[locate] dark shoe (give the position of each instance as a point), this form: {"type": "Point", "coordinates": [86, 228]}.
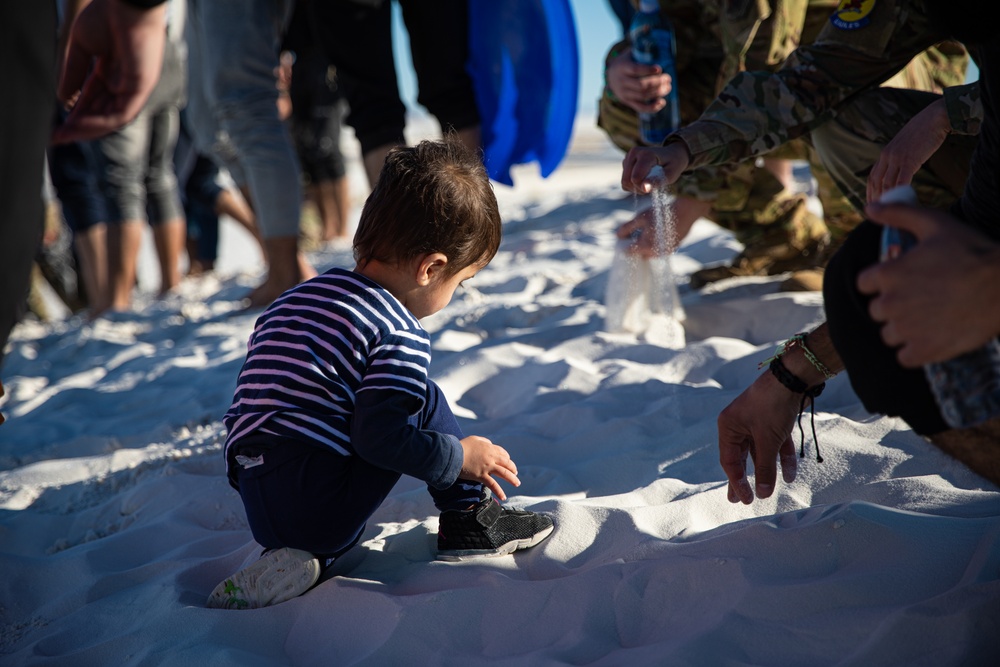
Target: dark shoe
{"type": "Point", "coordinates": [488, 529]}
{"type": "Point", "coordinates": [766, 262]}
{"type": "Point", "coordinates": [279, 575]}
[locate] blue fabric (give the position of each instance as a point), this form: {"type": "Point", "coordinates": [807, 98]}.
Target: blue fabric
{"type": "Point", "coordinates": [524, 62]}
{"type": "Point", "coordinates": [75, 170]}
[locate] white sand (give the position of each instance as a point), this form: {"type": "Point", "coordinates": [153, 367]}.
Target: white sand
{"type": "Point", "coordinates": [116, 520]}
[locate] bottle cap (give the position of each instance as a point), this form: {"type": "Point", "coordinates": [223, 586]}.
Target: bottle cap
{"type": "Point", "coordinates": [901, 194]}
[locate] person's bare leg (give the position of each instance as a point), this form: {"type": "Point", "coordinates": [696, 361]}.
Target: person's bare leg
{"type": "Point", "coordinates": [331, 199]}
{"type": "Point", "coordinates": [287, 267]}
{"type": "Point", "coordinates": [196, 266]}
{"type": "Point", "coordinates": [168, 238]}
{"type": "Point", "coordinates": [342, 203]}
{"type": "Point", "coordinates": [123, 255]}
{"type": "Point", "coordinates": [472, 137]}
{"type": "Point", "coordinates": [92, 253]}
{"type": "Point", "coordinates": [232, 203]}
{"type": "Point", "coordinates": [374, 159]}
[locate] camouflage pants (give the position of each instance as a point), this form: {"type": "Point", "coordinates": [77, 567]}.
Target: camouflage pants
{"type": "Point", "coordinates": [850, 144]}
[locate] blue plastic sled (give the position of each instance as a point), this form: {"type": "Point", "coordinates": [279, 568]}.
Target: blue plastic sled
{"type": "Point", "coordinates": [524, 63]}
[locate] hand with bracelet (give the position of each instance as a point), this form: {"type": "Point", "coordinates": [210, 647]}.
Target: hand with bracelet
{"type": "Point", "coordinates": [758, 424]}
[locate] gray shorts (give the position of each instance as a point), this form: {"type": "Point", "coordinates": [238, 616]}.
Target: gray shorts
{"type": "Point", "coordinates": [140, 180]}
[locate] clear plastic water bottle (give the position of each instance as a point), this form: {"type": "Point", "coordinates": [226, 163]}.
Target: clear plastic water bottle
{"type": "Point", "coordinates": [642, 295]}
{"type": "Point", "coordinates": [966, 388]}
{"type": "Point", "coordinates": [652, 39]}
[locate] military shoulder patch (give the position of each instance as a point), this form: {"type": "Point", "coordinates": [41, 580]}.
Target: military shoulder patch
{"type": "Point", "coordinates": [852, 14]}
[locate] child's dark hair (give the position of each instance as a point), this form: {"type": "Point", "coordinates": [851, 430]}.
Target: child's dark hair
{"type": "Point", "coordinates": [432, 197]}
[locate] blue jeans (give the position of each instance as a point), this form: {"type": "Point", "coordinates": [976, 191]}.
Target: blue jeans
{"type": "Point", "coordinates": [200, 189]}
{"type": "Point", "coordinates": [232, 55]}
{"type": "Point", "coordinates": [308, 498]}
{"type": "Point", "coordinates": [76, 170]}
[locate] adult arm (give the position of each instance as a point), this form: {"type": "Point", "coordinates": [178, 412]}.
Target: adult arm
{"type": "Point", "coordinates": [758, 424]}
{"type": "Point", "coordinates": [902, 157]}
{"type": "Point", "coordinates": [758, 111]}
{"type": "Point", "coordinates": [71, 9]}
{"type": "Point", "coordinates": [113, 61]}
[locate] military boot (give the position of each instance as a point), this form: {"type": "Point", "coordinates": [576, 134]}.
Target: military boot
{"type": "Point", "coordinates": [786, 236]}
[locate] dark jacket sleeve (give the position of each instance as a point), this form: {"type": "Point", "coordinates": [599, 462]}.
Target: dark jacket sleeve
{"type": "Point", "coordinates": [382, 435]}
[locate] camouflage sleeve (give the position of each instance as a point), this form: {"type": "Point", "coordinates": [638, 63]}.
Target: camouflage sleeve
{"type": "Point", "coordinates": [965, 108]}
{"type": "Point", "coordinates": [864, 43]}
{"type": "Point", "coordinates": [760, 34]}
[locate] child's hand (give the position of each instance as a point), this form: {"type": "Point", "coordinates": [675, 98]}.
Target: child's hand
{"type": "Point", "coordinates": [483, 459]}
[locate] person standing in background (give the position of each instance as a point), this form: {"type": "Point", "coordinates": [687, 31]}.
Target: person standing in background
{"type": "Point", "coordinates": [233, 50]}
{"type": "Point", "coordinates": [141, 184]}
{"type": "Point", "coordinates": [316, 117]}
{"type": "Point", "coordinates": [127, 44]}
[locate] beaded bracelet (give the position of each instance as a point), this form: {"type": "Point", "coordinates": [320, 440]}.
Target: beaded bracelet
{"type": "Point", "coordinates": [799, 340]}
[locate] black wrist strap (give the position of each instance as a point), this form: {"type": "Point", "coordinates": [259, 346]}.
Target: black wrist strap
{"type": "Point", "coordinates": [144, 4]}
{"type": "Point", "coordinates": [795, 384]}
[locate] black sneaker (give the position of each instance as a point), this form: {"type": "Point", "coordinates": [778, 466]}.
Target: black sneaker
{"type": "Point", "coordinates": [488, 529]}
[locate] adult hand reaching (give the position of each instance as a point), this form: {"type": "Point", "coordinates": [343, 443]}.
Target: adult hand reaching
{"type": "Point", "coordinates": [113, 61]}
{"type": "Point", "coordinates": [909, 149]}
{"type": "Point", "coordinates": [939, 299]}
{"type": "Point", "coordinates": [758, 424]}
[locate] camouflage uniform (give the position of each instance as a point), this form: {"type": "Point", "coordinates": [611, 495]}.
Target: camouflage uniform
{"type": "Point", "coordinates": [757, 111]}
{"type": "Point", "coordinates": [776, 227]}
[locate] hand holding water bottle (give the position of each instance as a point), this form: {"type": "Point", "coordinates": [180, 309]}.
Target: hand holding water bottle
{"type": "Point", "coordinates": [640, 87]}
{"type": "Point", "coordinates": [940, 299]}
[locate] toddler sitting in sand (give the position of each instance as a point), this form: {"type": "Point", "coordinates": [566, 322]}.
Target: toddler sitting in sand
{"type": "Point", "coordinates": [333, 403]}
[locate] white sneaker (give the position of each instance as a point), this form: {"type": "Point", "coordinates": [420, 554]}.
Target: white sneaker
{"type": "Point", "coordinates": [278, 575]}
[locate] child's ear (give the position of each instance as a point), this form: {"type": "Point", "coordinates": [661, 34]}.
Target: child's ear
{"type": "Point", "coordinates": [430, 267]}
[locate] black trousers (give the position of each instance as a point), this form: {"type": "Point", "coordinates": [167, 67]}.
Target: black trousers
{"type": "Point", "coordinates": [27, 50]}
{"type": "Point", "coordinates": [357, 37]}
{"type": "Point", "coordinates": [883, 386]}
